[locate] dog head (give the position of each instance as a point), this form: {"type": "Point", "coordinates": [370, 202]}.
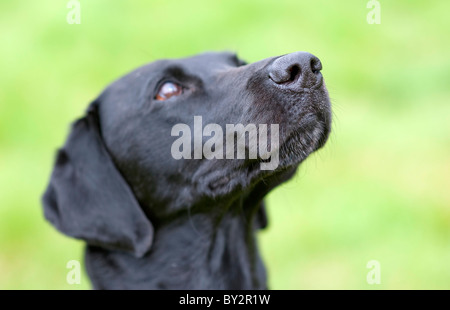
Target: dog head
{"type": "Point", "coordinates": [156, 142]}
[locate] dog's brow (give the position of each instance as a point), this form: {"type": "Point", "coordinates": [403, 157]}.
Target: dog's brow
{"type": "Point", "coordinates": [175, 71]}
{"type": "Point", "coordinates": [179, 73]}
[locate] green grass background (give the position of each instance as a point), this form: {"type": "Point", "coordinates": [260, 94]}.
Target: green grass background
{"type": "Point", "coordinates": [379, 190]}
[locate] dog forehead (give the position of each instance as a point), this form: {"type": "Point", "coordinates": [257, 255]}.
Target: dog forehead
{"type": "Point", "coordinates": [131, 86]}
{"type": "Point", "coordinates": [205, 62]}
{"type": "Point", "coordinates": [198, 65]}
{"type": "Point", "coordinates": [212, 59]}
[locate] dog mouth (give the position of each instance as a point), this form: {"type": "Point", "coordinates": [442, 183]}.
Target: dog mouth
{"type": "Point", "coordinates": [304, 140]}
{"type": "Point", "coordinates": [309, 136]}
{"type": "Point", "coordinates": [304, 124]}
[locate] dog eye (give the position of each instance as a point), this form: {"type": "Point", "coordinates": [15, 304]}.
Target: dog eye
{"type": "Point", "coordinates": [168, 90]}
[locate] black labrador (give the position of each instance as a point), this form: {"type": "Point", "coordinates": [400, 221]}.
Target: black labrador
{"type": "Point", "coordinates": [154, 220]}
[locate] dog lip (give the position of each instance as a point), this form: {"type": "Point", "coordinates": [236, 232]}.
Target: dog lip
{"type": "Point", "coordinates": [251, 167]}
{"type": "Point", "coordinates": [222, 181]}
{"type": "Point", "coordinates": [306, 138]}
{"type": "Point", "coordinates": [219, 182]}
{"type": "Point", "coordinates": [309, 135]}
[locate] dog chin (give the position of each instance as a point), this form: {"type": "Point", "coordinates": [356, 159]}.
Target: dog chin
{"type": "Point", "coordinates": [309, 135]}
{"type": "Point", "coordinates": [301, 143]}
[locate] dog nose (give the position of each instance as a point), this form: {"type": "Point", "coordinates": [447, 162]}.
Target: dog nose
{"type": "Point", "coordinates": [296, 71]}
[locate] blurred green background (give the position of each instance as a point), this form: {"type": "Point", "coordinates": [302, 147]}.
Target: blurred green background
{"type": "Point", "coordinates": [379, 190]}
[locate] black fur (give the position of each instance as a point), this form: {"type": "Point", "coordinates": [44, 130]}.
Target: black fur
{"type": "Point", "coordinates": [153, 222]}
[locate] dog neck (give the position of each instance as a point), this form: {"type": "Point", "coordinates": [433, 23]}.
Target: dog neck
{"type": "Point", "coordinates": [200, 250]}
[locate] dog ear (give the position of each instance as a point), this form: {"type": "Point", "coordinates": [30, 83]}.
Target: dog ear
{"type": "Point", "coordinates": [87, 198]}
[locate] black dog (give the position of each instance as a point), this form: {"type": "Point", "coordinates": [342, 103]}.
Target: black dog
{"type": "Point", "coordinates": [153, 221]}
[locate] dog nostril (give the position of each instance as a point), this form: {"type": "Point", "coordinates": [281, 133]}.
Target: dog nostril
{"type": "Point", "coordinates": [294, 72]}
{"type": "Point", "coordinates": [316, 65]}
